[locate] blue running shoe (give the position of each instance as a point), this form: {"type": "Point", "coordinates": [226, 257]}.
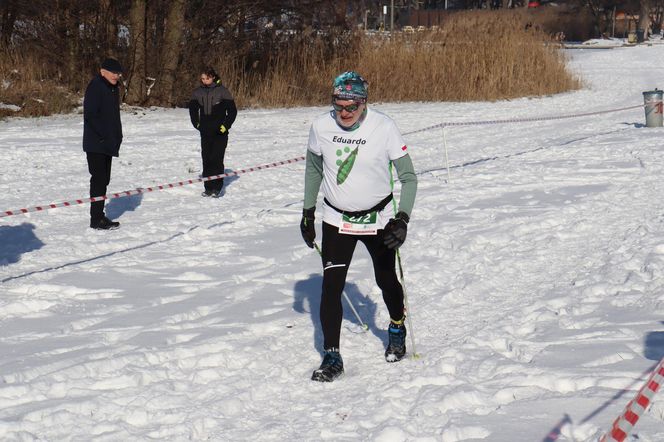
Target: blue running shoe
{"type": "Point", "coordinates": [396, 347]}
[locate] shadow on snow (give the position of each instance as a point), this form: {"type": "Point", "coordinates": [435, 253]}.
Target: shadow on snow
{"type": "Point", "coordinates": [106, 255]}
{"type": "Point", "coordinates": [307, 300]}
{"type": "Point", "coordinates": [653, 350]}
{"type": "Point", "coordinates": [118, 206]}
{"type": "Point", "coordinates": [17, 240]}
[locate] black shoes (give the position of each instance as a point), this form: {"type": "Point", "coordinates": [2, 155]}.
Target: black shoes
{"type": "Point", "coordinates": [213, 193]}
{"type": "Point", "coordinates": [331, 368]}
{"type": "Point", "coordinates": [104, 224]}
{"type": "Point", "coordinates": [396, 347]}
{"type": "Point", "coordinates": [333, 365]}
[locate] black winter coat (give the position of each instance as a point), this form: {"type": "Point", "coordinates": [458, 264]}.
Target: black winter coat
{"type": "Point", "coordinates": [210, 107]}
{"type": "Point", "coordinates": [102, 128]}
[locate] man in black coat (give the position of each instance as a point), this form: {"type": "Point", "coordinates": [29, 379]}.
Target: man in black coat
{"type": "Point", "coordinates": [102, 136]}
{"type": "Point", "coordinates": [212, 111]}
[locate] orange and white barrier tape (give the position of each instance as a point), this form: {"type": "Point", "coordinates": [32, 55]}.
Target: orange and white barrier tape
{"type": "Point", "coordinates": [280, 163]}
{"type": "Point", "coordinates": [147, 189]}
{"type": "Point", "coordinates": [636, 407]}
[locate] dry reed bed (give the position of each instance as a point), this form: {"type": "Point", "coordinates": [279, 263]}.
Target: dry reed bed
{"type": "Point", "coordinates": [475, 57]}
{"type": "Point", "coordinates": [26, 82]}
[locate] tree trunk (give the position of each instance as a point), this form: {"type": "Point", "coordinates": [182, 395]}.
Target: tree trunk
{"type": "Point", "coordinates": [644, 17]}
{"type": "Point", "coordinates": [136, 81]}
{"type": "Point", "coordinates": [170, 54]}
{"type": "Point", "coordinates": [340, 8]}
{"type": "Point", "coordinates": [72, 41]}
{"type": "Point", "coordinates": [106, 28]}
{"type": "Point", "coordinates": [7, 23]}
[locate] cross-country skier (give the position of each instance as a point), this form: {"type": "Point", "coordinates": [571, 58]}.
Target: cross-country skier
{"type": "Point", "coordinates": [351, 150]}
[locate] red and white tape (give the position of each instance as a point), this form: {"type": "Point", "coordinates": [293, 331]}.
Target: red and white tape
{"type": "Point", "coordinates": [280, 163]}
{"type": "Point", "coordinates": [521, 120]}
{"type": "Point", "coordinates": [636, 407]}
{"type": "Point", "coordinates": [147, 189]}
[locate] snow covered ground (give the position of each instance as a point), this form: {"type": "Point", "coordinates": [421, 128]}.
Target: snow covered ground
{"type": "Point", "coordinates": [535, 278]}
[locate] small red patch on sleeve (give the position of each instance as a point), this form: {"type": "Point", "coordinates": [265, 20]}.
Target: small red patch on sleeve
{"type": "Point", "coordinates": [404, 147]}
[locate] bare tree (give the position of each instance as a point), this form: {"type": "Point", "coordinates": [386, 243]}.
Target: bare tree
{"type": "Point", "coordinates": [644, 17]}
{"type": "Point", "coordinates": [170, 52]}
{"type": "Point", "coordinates": [9, 13]}
{"type": "Point", "coordinates": [106, 33]}
{"type": "Point", "coordinates": [657, 15]}
{"type": "Point", "coordinates": [136, 86]}
{"type": "Point", "coordinates": [69, 20]}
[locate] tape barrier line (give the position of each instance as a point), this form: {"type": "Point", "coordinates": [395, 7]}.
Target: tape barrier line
{"type": "Point", "coordinates": [636, 407]}
{"type": "Point", "coordinates": [280, 163]}
{"type": "Point", "coordinates": [521, 120]}
{"type": "Point", "coordinates": [147, 189]}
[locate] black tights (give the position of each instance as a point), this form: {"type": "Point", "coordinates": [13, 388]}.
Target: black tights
{"type": "Point", "coordinates": [338, 251]}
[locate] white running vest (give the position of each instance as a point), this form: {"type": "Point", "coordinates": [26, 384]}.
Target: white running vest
{"type": "Point", "coordinates": [356, 172]}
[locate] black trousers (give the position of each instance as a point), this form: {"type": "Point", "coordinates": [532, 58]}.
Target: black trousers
{"type": "Point", "coordinates": [99, 166]}
{"type": "Point", "coordinates": [213, 149]}
{"type": "Point", "coordinates": [337, 254]}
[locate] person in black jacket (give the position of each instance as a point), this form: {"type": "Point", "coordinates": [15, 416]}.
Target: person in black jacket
{"type": "Point", "coordinates": [102, 136]}
{"type": "Point", "coordinates": [212, 111]}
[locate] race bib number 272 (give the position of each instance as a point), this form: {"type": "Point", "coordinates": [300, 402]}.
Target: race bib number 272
{"type": "Point", "coordinates": [359, 225]}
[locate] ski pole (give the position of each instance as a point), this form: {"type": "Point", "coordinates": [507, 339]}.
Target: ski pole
{"type": "Point", "coordinates": [362, 324]}
{"type": "Point", "coordinates": [405, 300]}
{"type": "Point", "coordinates": [403, 283]}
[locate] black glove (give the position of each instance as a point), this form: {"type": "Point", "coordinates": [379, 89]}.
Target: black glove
{"type": "Point", "coordinates": [395, 231]}
{"type": "Point", "coordinates": [307, 227]}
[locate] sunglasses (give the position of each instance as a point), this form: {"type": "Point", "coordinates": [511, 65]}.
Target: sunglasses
{"type": "Point", "coordinates": [348, 108]}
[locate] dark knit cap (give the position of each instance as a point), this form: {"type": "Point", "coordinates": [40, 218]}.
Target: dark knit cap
{"type": "Point", "coordinates": [112, 65]}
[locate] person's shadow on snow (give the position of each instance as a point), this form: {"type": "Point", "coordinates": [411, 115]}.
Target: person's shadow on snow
{"type": "Point", "coordinates": [654, 345]}
{"type": "Point", "coordinates": [227, 180]}
{"type": "Point", "coordinates": [307, 300]}
{"type": "Point", "coordinates": [17, 240]}
{"type": "Point", "coordinates": [118, 206]}
{"type": "Point", "coordinates": [230, 179]}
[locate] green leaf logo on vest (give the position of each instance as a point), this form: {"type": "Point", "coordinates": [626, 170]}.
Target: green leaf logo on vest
{"type": "Point", "coordinates": [346, 165]}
